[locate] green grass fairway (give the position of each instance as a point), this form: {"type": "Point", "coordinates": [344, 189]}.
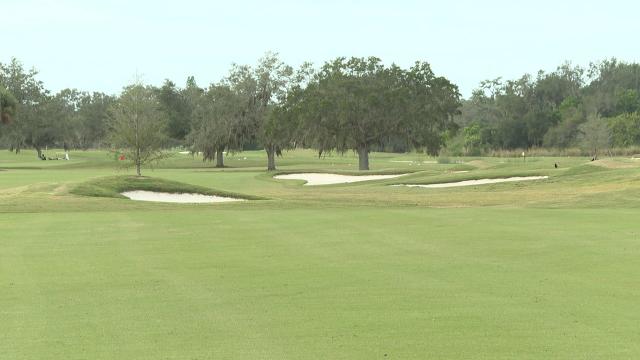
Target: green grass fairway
{"type": "Point", "coordinates": [544, 269]}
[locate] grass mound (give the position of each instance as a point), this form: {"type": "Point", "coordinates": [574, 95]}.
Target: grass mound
{"type": "Point", "coordinates": [113, 186]}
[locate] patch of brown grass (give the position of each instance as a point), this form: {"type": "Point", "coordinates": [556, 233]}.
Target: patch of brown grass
{"type": "Point", "coordinates": [613, 164]}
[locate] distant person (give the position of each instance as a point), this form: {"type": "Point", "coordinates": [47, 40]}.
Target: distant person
{"type": "Point", "coordinates": [556, 165]}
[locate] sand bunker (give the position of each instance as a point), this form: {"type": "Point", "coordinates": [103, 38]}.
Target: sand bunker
{"type": "Point", "coordinates": [476, 182]}
{"type": "Point", "coordinates": [414, 162]}
{"type": "Point", "coordinates": [328, 179]}
{"type": "Point", "coordinates": [141, 195]}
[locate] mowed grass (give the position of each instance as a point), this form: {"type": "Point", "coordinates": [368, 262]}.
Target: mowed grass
{"type": "Point", "coordinates": [537, 270]}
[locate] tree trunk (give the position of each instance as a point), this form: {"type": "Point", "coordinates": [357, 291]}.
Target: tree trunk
{"type": "Point", "coordinates": [137, 133]}
{"type": "Point", "coordinates": [363, 158]}
{"type": "Point", "coordinates": [39, 153]}
{"type": "Point", "coordinates": [220, 158]}
{"type": "Point", "coordinates": [271, 158]}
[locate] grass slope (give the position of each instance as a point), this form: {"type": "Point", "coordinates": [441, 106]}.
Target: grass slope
{"type": "Point", "coordinates": [115, 185]}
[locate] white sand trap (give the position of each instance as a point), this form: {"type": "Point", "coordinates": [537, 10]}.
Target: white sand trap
{"type": "Point", "coordinates": [186, 198]}
{"type": "Point", "coordinates": [414, 162]}
{"type": "Point", "coordinates": [477, 182]}
{"type": "Point", "coordinates": [328, 179]}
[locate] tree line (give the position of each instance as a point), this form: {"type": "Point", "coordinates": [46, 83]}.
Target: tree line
{"type": "Point", "coordinates": [593, 108]}
{"type": "Point", "coordinates": [34, 117]}
{"type": "Point", "coordinates": [347, 104]}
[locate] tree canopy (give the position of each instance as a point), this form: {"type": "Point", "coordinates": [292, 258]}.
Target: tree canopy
{"type": "Point", "coordinates": [8, 104]}
{"type": "Point", "coordinates": [359, 104]}
{"type": "Point", "coordinates": [220, 122]}
{"type": "Point", "coordinates": [549, 110]}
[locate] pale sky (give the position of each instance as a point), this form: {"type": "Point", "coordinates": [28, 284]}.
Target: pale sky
{"type": "Point", "coordinates": [102, 45]}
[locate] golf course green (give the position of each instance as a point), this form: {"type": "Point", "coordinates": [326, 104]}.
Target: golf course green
{"type": "Point", "coordinates": [544, 269]}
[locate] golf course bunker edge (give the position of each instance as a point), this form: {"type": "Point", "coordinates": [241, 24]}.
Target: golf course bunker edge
{"type": "Point", "coordinates": [183, 198]}
{"type": "Point", "coordinates": [313, 179]}
{"type": "Point", "coordinates": [476, 182]}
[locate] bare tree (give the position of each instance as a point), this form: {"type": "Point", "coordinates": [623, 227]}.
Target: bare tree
{"type": "Point", "coordinates": [594, 136]}
{"type": "Point", "coordinates": [138, 126]}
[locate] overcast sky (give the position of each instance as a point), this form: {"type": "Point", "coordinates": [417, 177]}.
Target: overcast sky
{"type": "Point", "coordinates": [102, 45]}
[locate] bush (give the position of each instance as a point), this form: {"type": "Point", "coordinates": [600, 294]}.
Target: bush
{"type": "Point", "coordinates": [444, 160]}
